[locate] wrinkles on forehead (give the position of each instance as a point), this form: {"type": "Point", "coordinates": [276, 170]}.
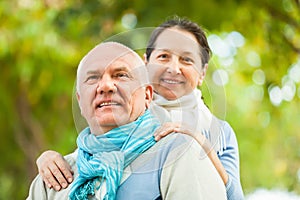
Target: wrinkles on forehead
{"type": "Point", "coordinates": [178, 41]}
{"type": "Point", "coordinates": [107, 54]}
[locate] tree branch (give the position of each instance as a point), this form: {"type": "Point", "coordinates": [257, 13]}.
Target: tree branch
{"type": "Point", "coordinates": [282, 16]}
{"type": "Point", "coordinates": [28, 133]}
{"type": "Point", "coordinates": [297, 2]}
{"type": "Point", "coordinates": [296, 49]}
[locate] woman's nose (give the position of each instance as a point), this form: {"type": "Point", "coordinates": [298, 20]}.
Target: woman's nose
{"type": "Point", "coordinates": [174, 66]}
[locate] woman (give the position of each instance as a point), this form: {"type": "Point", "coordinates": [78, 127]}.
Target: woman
{"type": "Point", "coordinates": [177, 58]}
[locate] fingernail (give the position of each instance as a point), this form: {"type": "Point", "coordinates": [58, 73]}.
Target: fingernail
{"type": "Point", "coordinates": [64, 185]}
{"type": "Point", "coordinates": [57, 187]}
{"type": "Point", "coordinates": [70, 180]}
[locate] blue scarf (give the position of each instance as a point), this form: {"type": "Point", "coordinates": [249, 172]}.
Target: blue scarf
{"type": "Point", "coordinates": [107, 155]}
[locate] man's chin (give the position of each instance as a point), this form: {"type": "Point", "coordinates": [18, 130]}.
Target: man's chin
{"type": "Point", "coordinates": [112, 121]}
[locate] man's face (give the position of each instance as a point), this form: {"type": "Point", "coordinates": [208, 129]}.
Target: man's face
{"type": "Point", "coordinates": [110, 90]}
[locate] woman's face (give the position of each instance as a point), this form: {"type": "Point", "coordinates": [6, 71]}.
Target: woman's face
{"type": "Point", "coordinates": [175, 64]}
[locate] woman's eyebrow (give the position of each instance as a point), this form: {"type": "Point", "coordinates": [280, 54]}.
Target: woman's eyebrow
{"type": "Point", "coordinates": [161, 49]}
{"type": "Point", "coordinates": [186, 53]}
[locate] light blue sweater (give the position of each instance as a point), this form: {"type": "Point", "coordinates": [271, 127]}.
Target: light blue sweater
{"type": "Point", "coordinates": [229, 157]}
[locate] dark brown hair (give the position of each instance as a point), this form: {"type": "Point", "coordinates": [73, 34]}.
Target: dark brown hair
{"type": "Point", "coordinates": [185, 25]}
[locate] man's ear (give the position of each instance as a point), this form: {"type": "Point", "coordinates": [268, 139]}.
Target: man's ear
{"type": "Point", "coordinates": [145, 59]}
{"type": "Point", "coordinates": [202, 75]}
{"type": "Point", "coordinates": [149, 95]}
{"type": "Point", "coordinates": [78, 99]}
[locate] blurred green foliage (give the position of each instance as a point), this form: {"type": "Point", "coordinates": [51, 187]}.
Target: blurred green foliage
{"type": "Point", "coordinates": [41, 43]}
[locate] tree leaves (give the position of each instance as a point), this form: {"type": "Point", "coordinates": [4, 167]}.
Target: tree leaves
{"type": "Point", "coordinates": [41, 43]}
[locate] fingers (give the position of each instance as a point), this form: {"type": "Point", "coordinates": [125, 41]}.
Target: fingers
{"type": "Point", "coordinates": [165, 130]}
{"type": "Point", "coordinates": [66, 171]}
{"type": "Point", "coordinates": [55, 171]}
{"type": "Point", "coordinates": [183, 130]}
{"type": "Point", "coordinates": [171, 127]}
{"type": "Point", "coordinates": [58, 175]}
{"type": "Point", "coordinates": [52, 178]}
{"type": "Point", "coordinates": [161, 134]}
{"type": "Point", "coordinates": [199, 137]}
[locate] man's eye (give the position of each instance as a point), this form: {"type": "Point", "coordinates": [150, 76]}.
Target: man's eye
{"type": "Point", "coordinates": [122, 75]}
{"type": "Point", "coordinates": [92, 78]}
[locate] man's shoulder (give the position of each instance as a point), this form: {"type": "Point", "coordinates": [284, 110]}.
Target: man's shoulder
{"type": "Point", "coordinates": [174, 146]}
{"type": "Point", "coordinates": [164, 152]}
{"type": "Point", "coordinates": [172, 141]}
{"type": "Point", "coordinates": [71, 158]}
{"type": "Point", "coordinates": [38, 190]}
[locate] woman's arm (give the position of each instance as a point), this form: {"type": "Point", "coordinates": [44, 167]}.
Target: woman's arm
{"type": "Point", "coordinates": [171, 127]}
{"type": "Point", "coordinates": [229, 158]}
{"type": "Point", "coordinates": [54, 169]}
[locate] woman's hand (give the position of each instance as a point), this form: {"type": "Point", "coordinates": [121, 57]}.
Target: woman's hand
{"type": "Point", "coordinates": [55, 170]}
{"type": "Point", "coordinates": [171, 127]}
{"type": "Point", "coordinates": [165, 129]}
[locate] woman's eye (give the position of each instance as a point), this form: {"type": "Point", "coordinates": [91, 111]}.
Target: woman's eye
{"type": "Point", "coordinates": [163, 56]}
{"type": "Point", "coordinates": [187, 60]}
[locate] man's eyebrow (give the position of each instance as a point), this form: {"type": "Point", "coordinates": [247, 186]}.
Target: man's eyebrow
{"type": "Point", "coordinates": [126, 69]}
{"type": "Point", "coordinates": [122, 68]}
{"type": "Point", "coordinates": [92, 72]}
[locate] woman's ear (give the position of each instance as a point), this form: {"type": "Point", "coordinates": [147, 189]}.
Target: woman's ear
{"type": "Point", "coordinates": [145, 59]}
{"type": "Point", "coordinates": [202, 75]}
{"type": "Point", "coordinates": [148, 95]}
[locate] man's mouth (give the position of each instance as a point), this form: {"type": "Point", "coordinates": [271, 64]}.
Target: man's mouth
{"type": "Point", "coordinates": [107, 103]}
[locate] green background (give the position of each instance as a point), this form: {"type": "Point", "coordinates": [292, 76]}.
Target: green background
{"type": "Point", "coordinates": [41, 43]}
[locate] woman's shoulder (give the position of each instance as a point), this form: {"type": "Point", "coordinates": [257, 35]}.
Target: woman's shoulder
{"type": "Point", "coordinates": [225, 126]}
{"type": "Point", "coordinates": [227, 136]}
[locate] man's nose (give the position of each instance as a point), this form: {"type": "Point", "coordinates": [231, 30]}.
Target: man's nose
{"type": "Point", "coordinates": [106, 85]}
{"type": "Point", "coordinates": [174, 66]}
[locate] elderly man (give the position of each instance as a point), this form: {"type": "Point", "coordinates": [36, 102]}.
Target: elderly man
{"type": "Point", "coordinates": [117, 155]}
